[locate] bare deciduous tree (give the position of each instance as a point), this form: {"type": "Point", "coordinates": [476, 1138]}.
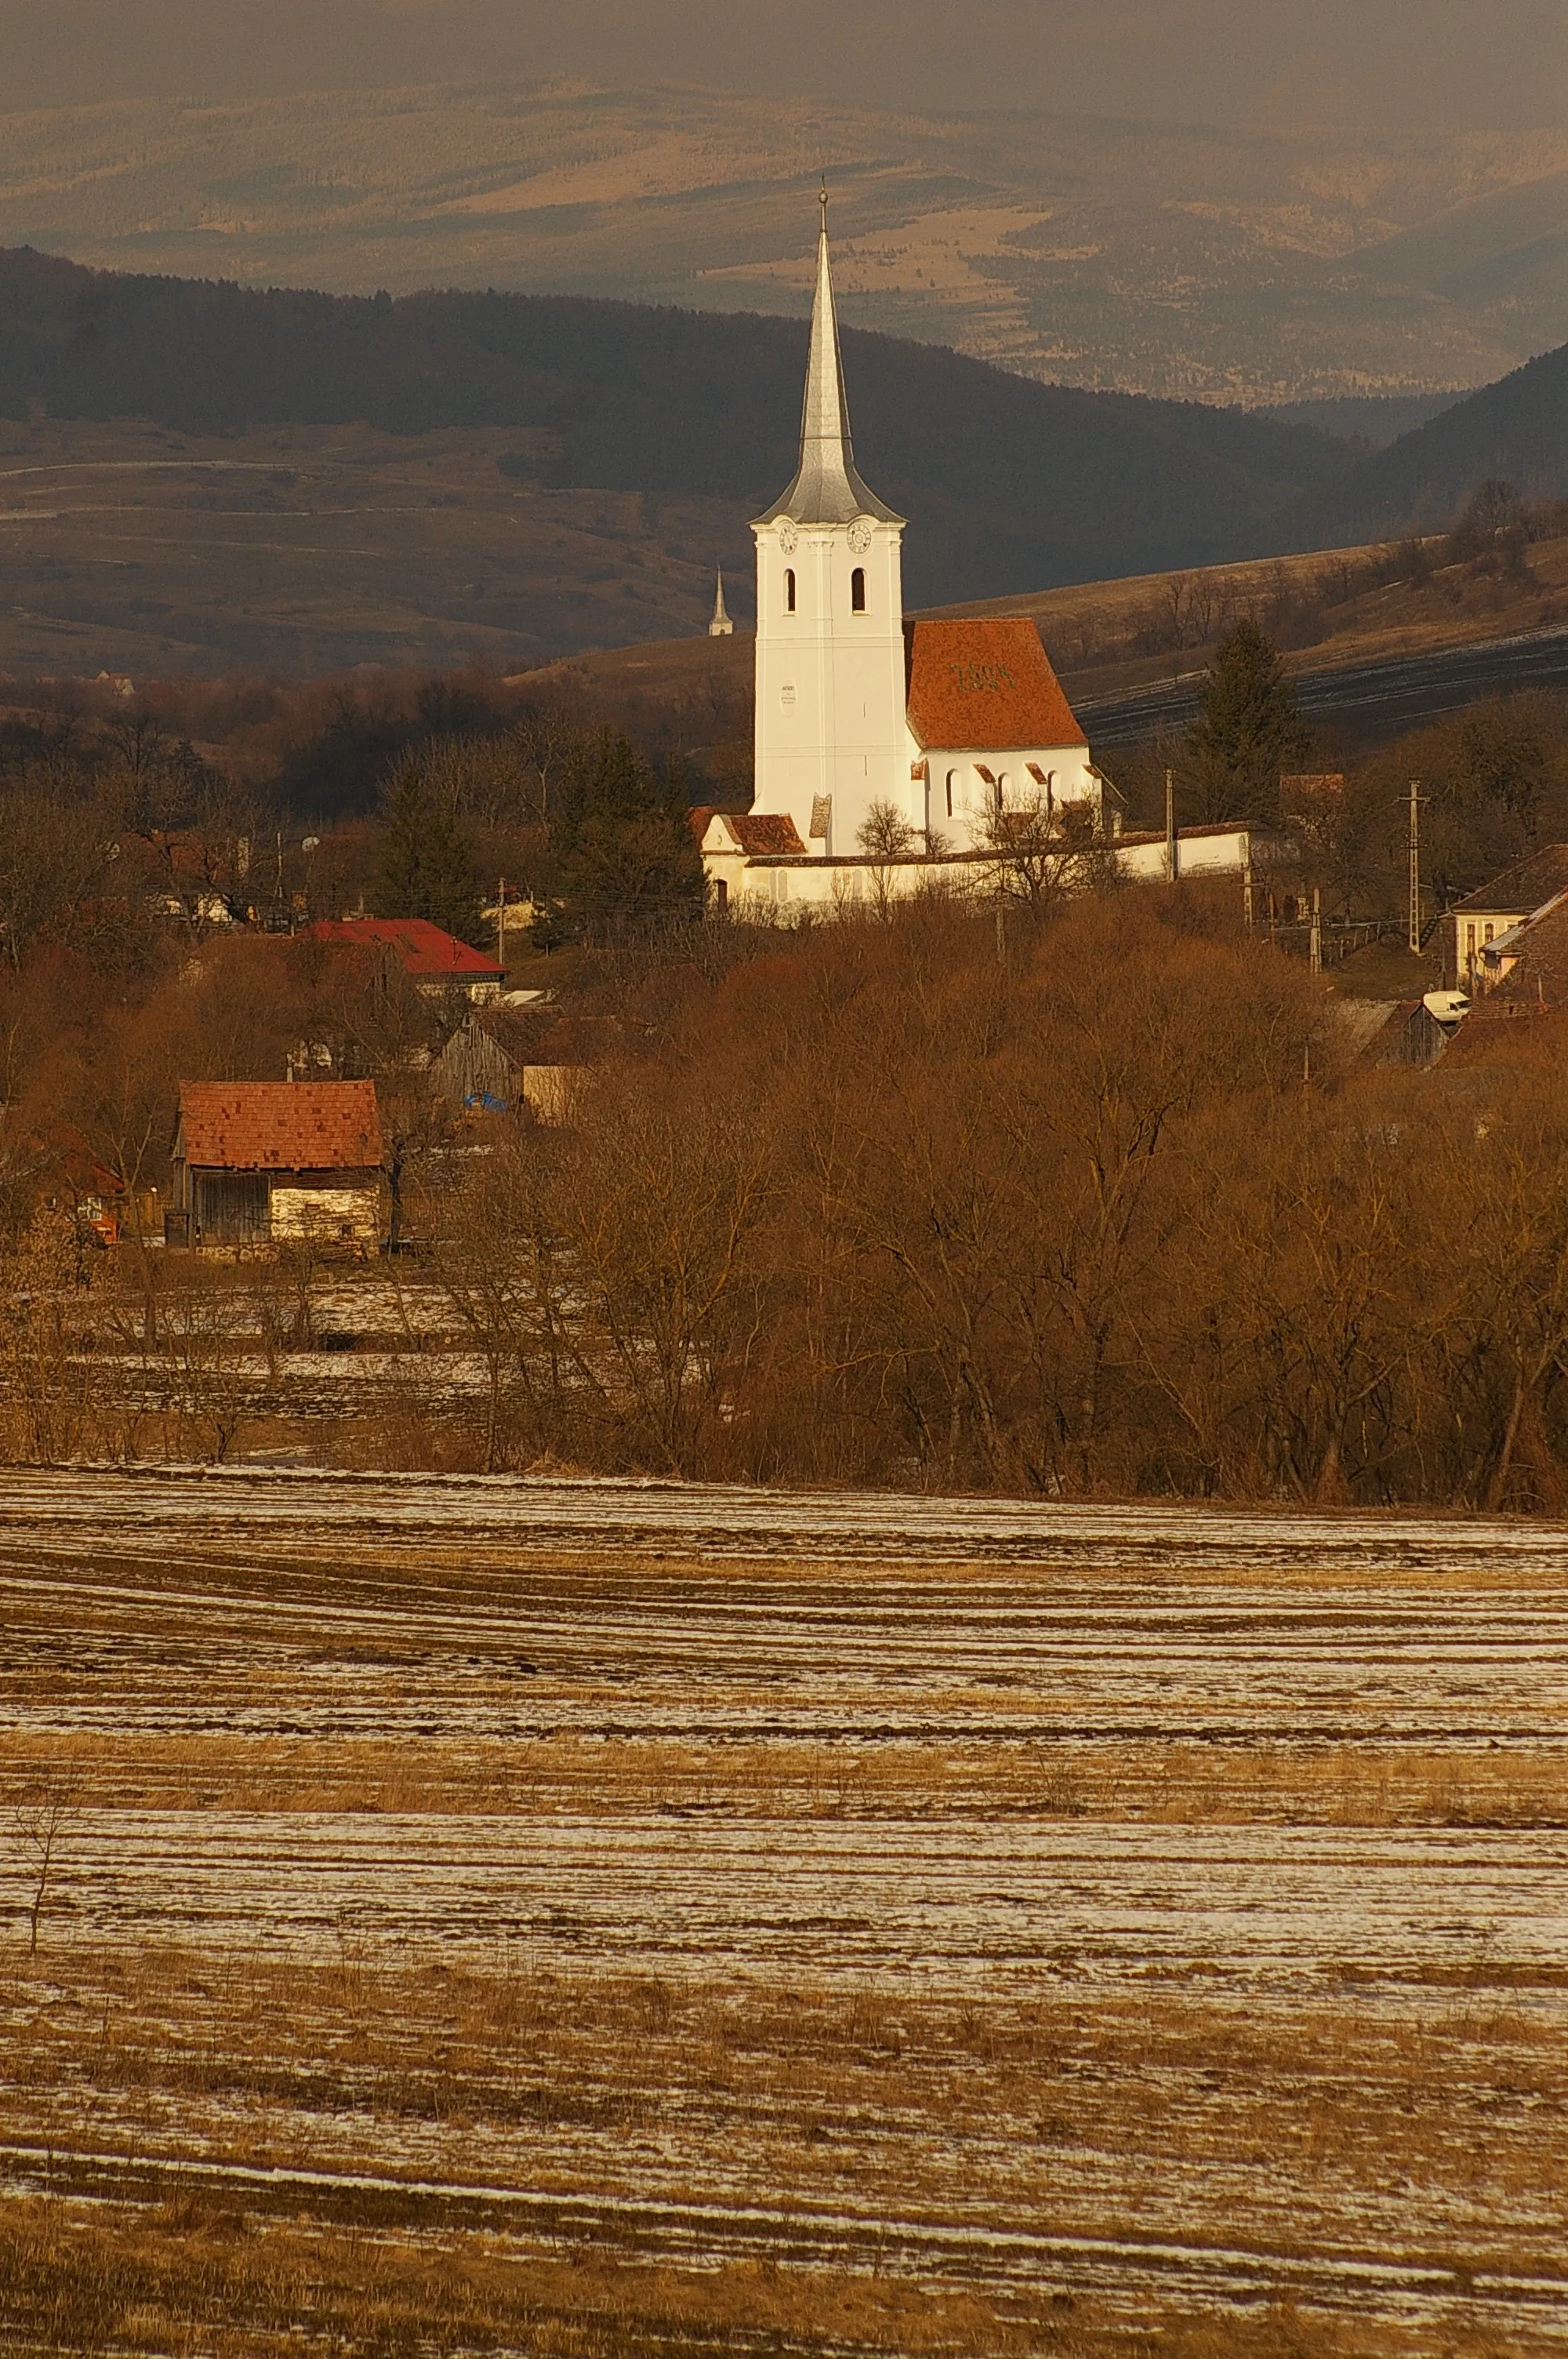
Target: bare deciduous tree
{"type": "Point", "coordinates": [39, 1827]}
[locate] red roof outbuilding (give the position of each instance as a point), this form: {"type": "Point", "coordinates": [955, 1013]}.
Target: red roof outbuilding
{"type": "Point", "coordinates": [279, 1125]}
{"type": "Point", "coordinates": [761, 833]}
{"type": "Point", "coordinates": [985, 683]}
{"type": "Point", "coordinates": [424, 950]}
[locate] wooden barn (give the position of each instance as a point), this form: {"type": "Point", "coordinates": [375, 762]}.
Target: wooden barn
{"type": "Point", "coordinates": [266, 1162]}
{"type": "Point", "coordinates": [499, 1062]}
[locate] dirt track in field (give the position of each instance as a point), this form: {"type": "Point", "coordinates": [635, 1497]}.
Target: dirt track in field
{"type": "Point", "coordinates": [1106, 1918]}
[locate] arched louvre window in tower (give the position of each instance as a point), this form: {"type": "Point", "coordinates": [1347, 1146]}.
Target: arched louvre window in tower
{"type": "Point", "coordinates": [858, 590]}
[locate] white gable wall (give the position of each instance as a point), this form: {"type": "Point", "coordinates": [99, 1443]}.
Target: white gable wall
{"type": "Point", "coordinates": [1070, 776]}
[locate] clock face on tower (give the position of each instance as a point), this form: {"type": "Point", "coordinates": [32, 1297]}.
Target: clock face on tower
{"type": "Point", "coordinates": [788, 538]}
{"type": "Point", "coordinates": [860, 535]}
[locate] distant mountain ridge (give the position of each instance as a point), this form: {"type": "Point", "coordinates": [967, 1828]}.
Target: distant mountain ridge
{"type": "Point", "coordinates": [1188, 261]}
{"type": "Point", "coordinates": [1516, 431]}
{"type": "Point", "coordinates": [1008, 485]}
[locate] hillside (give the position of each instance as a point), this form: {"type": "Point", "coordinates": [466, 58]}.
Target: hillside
{"type": "Point", "coordinates": [1516, 429]}
{"type": "Point", "coordinates": [256, 535]}
{"type": "Point", "coordinates": [1184, 260]}
{"type": "Point", "coordinates": [299, 551]}
{"type": "Point", "coordinates": [1337, 612]}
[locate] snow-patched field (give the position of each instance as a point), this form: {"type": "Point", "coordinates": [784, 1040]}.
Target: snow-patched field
{"type": "Point", "coordinates": [1161, 1912]}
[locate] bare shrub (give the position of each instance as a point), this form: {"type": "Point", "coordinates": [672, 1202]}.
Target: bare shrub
{"type": "Point", "coordinates": [45, 1371]}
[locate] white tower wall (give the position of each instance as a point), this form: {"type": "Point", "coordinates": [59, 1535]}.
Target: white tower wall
{"type": "Point", "coordinates": [831, 724]}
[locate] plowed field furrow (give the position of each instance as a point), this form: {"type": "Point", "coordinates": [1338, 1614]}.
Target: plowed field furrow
{"type": "Point", "coordinates": [613, 1513]}
{"type": "Point", "coordinates": [1232, 2274]}
{"type": "Point", "coordinates": [627, 1919]}
{"type": "Point", "coordinates": [834, 1901]}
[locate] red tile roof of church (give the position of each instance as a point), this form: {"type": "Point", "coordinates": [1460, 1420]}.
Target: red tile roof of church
{"type": "Point", "coordinates": [985, 683]}
{"type": "Point", "coordinates": [280, 1125]}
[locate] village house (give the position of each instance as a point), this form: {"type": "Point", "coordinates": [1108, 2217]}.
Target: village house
{"type": "Point", "coordinates": [1529, 960]}
{"type": "Point", "coordinates": [1408, 1031]}
{"type": "Point", "coordinates": [1483, 918]}
{"type": "Point", "coordinates": [268, 1162]}
{"type": "Point", "coordinates": [438, 963]}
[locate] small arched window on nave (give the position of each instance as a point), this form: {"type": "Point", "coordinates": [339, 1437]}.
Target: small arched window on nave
{"type": "Point", "coordinates": [858, 590]}
{"type": "Point", "coordinates": [952, 789]}
{"type": "Point", "coordinates": [789, 590]}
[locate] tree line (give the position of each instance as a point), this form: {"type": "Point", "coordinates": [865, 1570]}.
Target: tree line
{"type": "Point", "coordinates": [1117, 1215]}
{"type": "Point", "coordinates": [1110, 1207]}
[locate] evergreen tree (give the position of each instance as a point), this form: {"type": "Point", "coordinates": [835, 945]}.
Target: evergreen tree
{"type": "Point", "coordinates": [1248, 729]}
{"type": "Point", "coordinates": [426, 866]}
{"type": "Point", "coordinates": [622, 849]}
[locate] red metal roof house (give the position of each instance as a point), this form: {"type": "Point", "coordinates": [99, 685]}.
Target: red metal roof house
{"type": "Point", "coordinates": [436, 961]}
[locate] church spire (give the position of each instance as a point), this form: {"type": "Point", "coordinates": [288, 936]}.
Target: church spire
{"type": "Point", "coordinates": [826, 489]}
{"type": "Point", "coordinates": [721, 628]}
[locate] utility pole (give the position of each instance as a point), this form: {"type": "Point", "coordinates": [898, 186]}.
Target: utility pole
{"type": "Point", "coordinates": [501, 923]}
{"type": "Point", "coordinates": [1314, 940]}
{"type": "Point", "coordinates": [1415, 866]}
{"type": "Point", "coordinates": [1170, 827]}
{"type": "Point", "coordinates": [1247, 885]}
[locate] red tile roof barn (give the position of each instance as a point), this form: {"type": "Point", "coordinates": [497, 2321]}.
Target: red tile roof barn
{"type": "Point", "coordinates": [985, 683]}
{"type": "Point", "coordinates": [423, 949]}
{"type": "Point", "coordinates": [279, 1125]}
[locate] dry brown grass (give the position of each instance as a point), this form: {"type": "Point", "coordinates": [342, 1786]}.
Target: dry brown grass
{"type": "Point", "coordinates": [194, 2275]}
{"type": "Point", "coordinates": [1089, 2093]}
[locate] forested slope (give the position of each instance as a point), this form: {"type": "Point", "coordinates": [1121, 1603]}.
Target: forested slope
{"type": "Point", "coordinates": [1008, 484]}
{"type": "Point", "coordinates": [1515, 430]}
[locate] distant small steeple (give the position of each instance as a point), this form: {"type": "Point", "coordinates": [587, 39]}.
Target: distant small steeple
{"type": "Point", "coordinates": [721, 628]}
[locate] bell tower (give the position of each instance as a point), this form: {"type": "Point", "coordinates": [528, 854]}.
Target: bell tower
{"type": "Point", "coordinates": [831, 732]}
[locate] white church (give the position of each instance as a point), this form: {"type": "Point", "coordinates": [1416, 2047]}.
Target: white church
{"type": "Point", "coordinates": [883, 743]}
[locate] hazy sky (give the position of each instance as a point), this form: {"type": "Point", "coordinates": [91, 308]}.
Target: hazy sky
{"type": "Point", "coordinates": [1375, 62]}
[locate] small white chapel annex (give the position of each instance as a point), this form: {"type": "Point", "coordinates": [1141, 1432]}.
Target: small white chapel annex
{"type": "Point", "coordinates": [864, 719]}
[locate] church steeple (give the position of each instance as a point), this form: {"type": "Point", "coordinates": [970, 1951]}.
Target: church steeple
{"type": "Point", "coordinates": [826, 489]}
{"type": "Point", "coordinates": [721, 628]}
{"type": "Point", "coordinates": [832, 729]}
